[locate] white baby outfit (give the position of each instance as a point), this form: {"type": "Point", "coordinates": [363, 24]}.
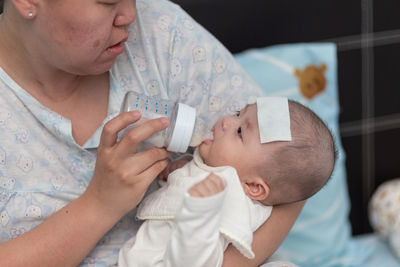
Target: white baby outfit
{"type": "Point", "coordinates": [180, 230]}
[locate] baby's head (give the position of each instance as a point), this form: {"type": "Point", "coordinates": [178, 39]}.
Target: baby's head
{"type": "Point", "coordinates": [275, 172]}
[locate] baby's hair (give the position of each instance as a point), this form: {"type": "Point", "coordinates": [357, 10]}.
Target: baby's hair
{"type": "Point", "coordinates": [298, 169]}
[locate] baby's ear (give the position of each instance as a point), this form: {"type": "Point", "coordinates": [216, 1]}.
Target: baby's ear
{"type": "Point", "coordinates": [256, 188]}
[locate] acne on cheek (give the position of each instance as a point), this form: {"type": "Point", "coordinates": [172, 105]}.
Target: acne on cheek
{"type": "Point", "coordinates": [76, 34]}
{"type": "Point", "coordinates": [96, 43]}
{"type": "Point", "coordinates": [83, 33]}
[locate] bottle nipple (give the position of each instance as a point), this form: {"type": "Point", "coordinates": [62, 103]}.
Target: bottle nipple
{"type": "Point", "coordinates": [201, 132]}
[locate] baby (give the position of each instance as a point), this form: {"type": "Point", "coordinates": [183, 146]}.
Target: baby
{"type": "Point", "coordinates": [273, 152]}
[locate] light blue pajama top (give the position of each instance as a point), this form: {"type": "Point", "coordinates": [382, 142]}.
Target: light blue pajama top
{"type": "Point", "coordinates": [42, 168]}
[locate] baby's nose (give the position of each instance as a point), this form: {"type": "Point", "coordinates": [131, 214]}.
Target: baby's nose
{"type": "Point", "coordinates": [226, 123]}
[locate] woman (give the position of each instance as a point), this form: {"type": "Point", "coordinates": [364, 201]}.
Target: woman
{"type": "Point", "coordinates": [67, 186]}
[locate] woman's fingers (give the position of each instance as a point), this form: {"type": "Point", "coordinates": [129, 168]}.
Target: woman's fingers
{"type": "Point", "coordinates": [151, 173]}
{"type": "Point", "coordinates": [136, 136]}
{"type": "Point", "coordinates": [141, 161]}
{"type": "Point", "coordinates": [121, 175]}
{"type": "Point", "coordinates": [111, 128]}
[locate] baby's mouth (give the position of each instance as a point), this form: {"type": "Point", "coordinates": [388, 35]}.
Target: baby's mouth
{"type": "Point", "coordinates": [207, 141]}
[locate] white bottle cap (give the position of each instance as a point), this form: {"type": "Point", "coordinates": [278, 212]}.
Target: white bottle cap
{"type": "Point", "coordinates": [184, 125]}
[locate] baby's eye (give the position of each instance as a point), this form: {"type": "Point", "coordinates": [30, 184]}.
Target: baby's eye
{"type": "Point", "coordinates": [237, 113]}
{"type": "Point", "coordinates": [239, 132]}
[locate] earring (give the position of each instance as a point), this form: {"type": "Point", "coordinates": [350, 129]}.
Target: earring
{"type": "Point", "coordinates": [30, 14]}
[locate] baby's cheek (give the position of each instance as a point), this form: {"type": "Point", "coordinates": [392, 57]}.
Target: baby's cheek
{"type": "Point", "coordinates": [206, 153]}
{"type": "Point", "coordinates": [202, 151]}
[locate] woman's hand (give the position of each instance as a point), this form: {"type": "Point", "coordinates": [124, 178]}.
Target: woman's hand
{"type": "Point", "coordinates": [120, 180]}
{"type": "Point", "coordinates": [122, 175]}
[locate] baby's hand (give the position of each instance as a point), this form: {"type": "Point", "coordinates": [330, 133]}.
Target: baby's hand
{"type": "Point", "coordinates": [173, 165]}
{"type": "Point", "coordinates": [210, 186]}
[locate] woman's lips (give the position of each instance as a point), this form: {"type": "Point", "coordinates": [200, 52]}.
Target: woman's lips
{"type": "Point", "coordinates": [116, 49]}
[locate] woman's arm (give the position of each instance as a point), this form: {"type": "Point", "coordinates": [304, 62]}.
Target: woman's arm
{"type": "Point", "coordinates": [268, 237]}
{"type": "Point", "coordinates": [120, 180]}
{"type": "Point", "coordinates": [64, 239]}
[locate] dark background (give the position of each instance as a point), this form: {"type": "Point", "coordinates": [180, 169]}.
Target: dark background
{"type": "Point", "coordinates": [367, 34]}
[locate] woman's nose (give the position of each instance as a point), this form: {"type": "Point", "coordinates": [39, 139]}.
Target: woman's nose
{"type": "Point", "coordinates": [126, 14]}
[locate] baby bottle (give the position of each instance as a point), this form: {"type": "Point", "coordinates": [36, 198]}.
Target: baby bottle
{"type": "Point", "coordinates": [177, 136]}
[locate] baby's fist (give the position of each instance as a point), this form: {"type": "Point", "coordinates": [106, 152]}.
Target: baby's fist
{"type": "Point", "coordinates": [210, 186]}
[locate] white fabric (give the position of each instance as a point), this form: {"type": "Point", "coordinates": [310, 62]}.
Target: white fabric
{"type": "Point", "coordinates": [273, 119]}
{"type": "Point", "coordinates": [177, 223]}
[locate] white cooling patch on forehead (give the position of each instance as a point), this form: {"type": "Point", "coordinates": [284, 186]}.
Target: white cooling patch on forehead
{"type": "Point", "coordinates": [273, 119]}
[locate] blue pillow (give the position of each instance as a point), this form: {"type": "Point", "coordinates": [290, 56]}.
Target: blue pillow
{"type": "Point", "coordinates": [307, 73]}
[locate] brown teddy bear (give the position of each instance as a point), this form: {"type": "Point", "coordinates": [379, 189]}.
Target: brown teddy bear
{"type": "Point", "coordinates": [312, 80]}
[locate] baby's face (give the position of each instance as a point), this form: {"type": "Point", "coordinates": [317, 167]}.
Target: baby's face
{"type": "Point", "coordinates": [236, 142]}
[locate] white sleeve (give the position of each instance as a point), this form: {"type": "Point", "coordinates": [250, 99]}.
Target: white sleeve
{"type": "Point", "coordinates": [195, 239]}
{"type": "Point", "coordinates": [147, 248]}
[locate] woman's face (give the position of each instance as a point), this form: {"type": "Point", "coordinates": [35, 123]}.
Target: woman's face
{"type": "Point", "coordinates": [82, 36]}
